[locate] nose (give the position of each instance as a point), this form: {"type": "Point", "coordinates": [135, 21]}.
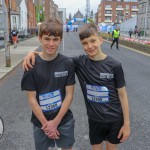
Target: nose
{"type": "Point", "coordinates": [51, 42]}
{"type": "Point", "coordinates": [89, 45]}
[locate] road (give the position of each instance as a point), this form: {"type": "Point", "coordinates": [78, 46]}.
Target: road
{"type": "Point", "coordinates": [16, 113]}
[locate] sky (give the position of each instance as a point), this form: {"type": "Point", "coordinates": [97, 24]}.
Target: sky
{"type": "Point", "coordinates": [72, 6]}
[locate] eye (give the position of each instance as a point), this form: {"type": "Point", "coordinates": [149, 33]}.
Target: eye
{"type": "Point", "coordinates": [93, 40]}
{"type": "Point", "coordinates": [84, 43]}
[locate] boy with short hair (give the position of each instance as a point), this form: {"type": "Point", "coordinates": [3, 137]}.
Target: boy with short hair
{"type": "Point", "coordinates": [103, 85]}
{"type": "Point", "coordinates": [50, 90]}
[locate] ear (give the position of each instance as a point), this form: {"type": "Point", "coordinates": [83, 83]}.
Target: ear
{"type": "Point", "coordinates": [101, 39]}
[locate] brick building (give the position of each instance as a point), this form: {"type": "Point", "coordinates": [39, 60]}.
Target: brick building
{"type": "Point", "coordinates": [31, 14]}
{"type": "Point", "coordinates": [143, 20]}
{"type": "Point", "coordinates": [50, 9]}
{"type": "Point", "coordinates": [115, 11]}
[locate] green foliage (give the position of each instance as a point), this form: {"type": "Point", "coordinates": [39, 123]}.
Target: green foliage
{"type": "Point", "coordinates": [39, 13]}
{"type": "Point", "coordinates": [90, 20]}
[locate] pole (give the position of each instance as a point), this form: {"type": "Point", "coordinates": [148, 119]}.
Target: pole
{"type": "Point", "coordinates": [6, 35]}
{"type": "Point", "coordinates": [145, 23]}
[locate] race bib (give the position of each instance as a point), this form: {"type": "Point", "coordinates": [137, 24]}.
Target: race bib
{"type": "Point", "coordinates": [98, 94]}
{"type": "Point", "coordinates": [50, 101]}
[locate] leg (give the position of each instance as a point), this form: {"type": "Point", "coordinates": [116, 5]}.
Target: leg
{"type": "Point", "coordinates": [112, 136]}
{"type": "Point", "coordinates": [110, 146]}
{"type": "Point", "coordinates": [66, 138]}
{"type": "Point", "coordinates": [117, 42]}
{"type": "Point", "coordinates": [97, 147]}
{"type": "Point", "coordinates": [97, 134]}
{"type": "Point", "coordinates": [42, 142]}
{"type": "Point", "coordinates": [112, 43]}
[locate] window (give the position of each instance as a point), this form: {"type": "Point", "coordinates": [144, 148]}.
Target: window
{"type": "Point", "coordinates": [127, 6]}
{"type": "Point", "coordinates": [119, 12]}
{"type": "Point", "coordinates": [119, 6]}
{"type": "Point", "coordinates": [107, 12]}
{"type": "Point", "coordinates": [14, 19]}
{"type": "Point", "coordinates": [107, 18]}
{"type": "Point", "coordinates": [108, 6]}
{"type": "Point", "coordinates": [133, 13]}
{"type": "Point", "coordinates": [134, 7]}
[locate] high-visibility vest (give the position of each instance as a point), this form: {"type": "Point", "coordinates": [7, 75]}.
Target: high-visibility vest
{"type": "Point", "coordinates": [116, 33]}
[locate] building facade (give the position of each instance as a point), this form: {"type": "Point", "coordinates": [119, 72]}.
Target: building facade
{"type": "Point", "coordinates": [23, 21]}
{"type": "Point", "coordinates": [31, 15]}
{"type": "Point", "coordinates": [1, 20]}
{"type": "Point", "coordinates": [50, 9]}
{"type": "Point", "coordinates": [116, 11]}
{"type": "Point", "coordinates": [62, 14]}
{"type": "Point", "coordinates": [143, 20]}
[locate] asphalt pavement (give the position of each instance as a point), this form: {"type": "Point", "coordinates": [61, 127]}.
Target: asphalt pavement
{"type": "Point", "coordinates": [15, 112]}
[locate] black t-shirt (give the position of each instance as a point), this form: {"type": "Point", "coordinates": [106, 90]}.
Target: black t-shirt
{"type": "Point", "coordinates": [49, 79]}
{"type": "Point", "coordinates": [14, 32]}
{"type": "Point", "coordinates": [99, 82]}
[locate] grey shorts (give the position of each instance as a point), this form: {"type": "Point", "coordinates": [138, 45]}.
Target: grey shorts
{"type": "Point", "coordinates": [65, 141]}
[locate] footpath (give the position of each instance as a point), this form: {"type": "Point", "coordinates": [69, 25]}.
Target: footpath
{"type": "Point", "coordinates": [16, 55]}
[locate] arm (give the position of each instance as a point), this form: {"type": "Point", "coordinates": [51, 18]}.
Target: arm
{"type": "Point", "coordinates": [125, 130]}
{"type": "Point", "coordinates": [52, 124]}
{"type": "Point", "coordinates": [35, 107]}
{"type": "Point", "coordinates": [30, 56]}
{"type": "Point", "coordinates": [113, 34]}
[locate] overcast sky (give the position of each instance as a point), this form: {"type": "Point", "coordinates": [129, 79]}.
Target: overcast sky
{"type": "Point", "coordinates": [72, 6]}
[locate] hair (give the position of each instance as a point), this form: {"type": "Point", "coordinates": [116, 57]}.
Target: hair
{"type": "Point", "coordinates": [53, 26]}
{"type": "Point", "coordinates": [87, 30]}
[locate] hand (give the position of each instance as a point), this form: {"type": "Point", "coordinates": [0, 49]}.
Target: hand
{"type": "Point", "coordinates": [53, 135]}
{"type": "Point", "coordinates": [26, 62]}
{"type": "Point", "coordinates": [50, 127]}
{"type": "Point", "coordinates": [124, 133]}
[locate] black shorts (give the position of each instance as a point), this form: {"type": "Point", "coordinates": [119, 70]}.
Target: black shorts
{"type": "Point", "coordinates": [99, 132]}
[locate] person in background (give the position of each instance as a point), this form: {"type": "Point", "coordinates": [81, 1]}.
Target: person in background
{"type": "Point", "coordinates": [139, 33]}
{"type": "Point", "coordinates": [14, 34]}
{"type": "Point", "coordinates": [130, 33]}
{"type": "Point", "coordinates": [115, 37]}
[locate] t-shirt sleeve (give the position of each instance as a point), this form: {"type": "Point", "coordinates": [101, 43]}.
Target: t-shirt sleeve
{"type": "Point", "coordinates": [28, 81]}
{"type": "Point", "coordinates": [119, 76]}
{"type": "Point", "coordinates": [75, 60]}
{"type": "Point", "coordinates": [71, 74]}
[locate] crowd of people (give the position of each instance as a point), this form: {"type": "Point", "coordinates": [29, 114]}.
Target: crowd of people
{"type": "Point", "coordinates": [136, 33]}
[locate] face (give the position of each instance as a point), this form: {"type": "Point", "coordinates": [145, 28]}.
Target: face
{"type": "Point", "coordinates": [50, 44]}
{"type": "Point", "coordinates": [92, 45]}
